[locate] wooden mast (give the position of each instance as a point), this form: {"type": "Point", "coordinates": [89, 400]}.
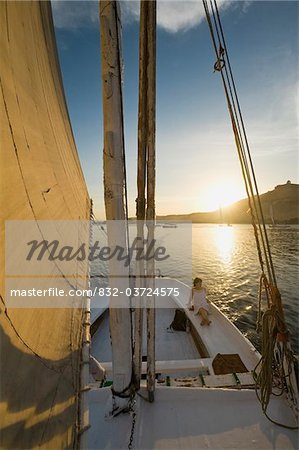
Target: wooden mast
{"type": "Point", "coordinates": [114, 182]}
{"type": "Point", "coordinates": [146, 181]}
{"type": "Point", "coordinates": [141, 184]}
{"type": "Point", "coordinates": [151, 185]}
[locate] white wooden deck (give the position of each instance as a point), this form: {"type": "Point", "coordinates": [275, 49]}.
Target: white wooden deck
{"type": "Point", "coordinates": [220, 337]}
{"type": "Point", "coordinates": [186, 417]}
{"type": "Point", "coordinates": [169, 346]}
{"type": "Point", "coordinates": [191, 419]}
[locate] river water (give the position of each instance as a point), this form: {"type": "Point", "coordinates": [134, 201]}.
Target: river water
{"type": "Point", "coordinates": [225, 257]}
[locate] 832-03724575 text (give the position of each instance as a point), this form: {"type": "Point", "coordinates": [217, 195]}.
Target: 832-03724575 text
{"type": "Point", "coordinates": [101, 291]}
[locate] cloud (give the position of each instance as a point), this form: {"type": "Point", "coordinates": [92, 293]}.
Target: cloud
{"type": "Point", "coordinates": [74, 15]}
{"type": "Point", "coordinates": [179, 16]}
{"type": "Point", "coordinates": [172, 16]}
{"type": "Point", "coordinates": [176, 16]}
{"type": "Point", "coordinates": [246, 5]}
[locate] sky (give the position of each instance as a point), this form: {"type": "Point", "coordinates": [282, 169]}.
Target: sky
{"type": "Point", "coordinates": [197, 164]}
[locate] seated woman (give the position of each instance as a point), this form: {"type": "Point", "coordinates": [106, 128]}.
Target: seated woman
{"type": "Point", "coordinates": [198, 301]}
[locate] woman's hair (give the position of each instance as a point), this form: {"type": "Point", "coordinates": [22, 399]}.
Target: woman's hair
{"type": "Point", "coordinates": [196, 280]}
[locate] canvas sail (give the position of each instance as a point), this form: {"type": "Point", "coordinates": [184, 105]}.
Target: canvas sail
{"type": "Point", "coordinates": [41, 178]}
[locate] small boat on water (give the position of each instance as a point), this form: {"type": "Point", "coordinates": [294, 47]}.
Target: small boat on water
{"type": "Point", "coordinates": [169, 225]}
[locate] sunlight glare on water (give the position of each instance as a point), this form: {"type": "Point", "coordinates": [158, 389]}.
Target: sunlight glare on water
{"type": "Point", "coordinates": [224, 240]}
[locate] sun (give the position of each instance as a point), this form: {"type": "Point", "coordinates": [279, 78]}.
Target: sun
{"type": "Point", "coordinates": [221, 195]}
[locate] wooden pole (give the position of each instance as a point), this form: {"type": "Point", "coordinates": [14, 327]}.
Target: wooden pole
{"type": "Point", "coordinates": [114, 181]}
{"type": "Point", "coordinates": [141, 183]}
{"type": "Point", "coordinates": [151, 184]}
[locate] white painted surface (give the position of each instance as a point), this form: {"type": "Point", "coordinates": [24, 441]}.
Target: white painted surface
{"type": "Point", "coordinates": [220, 337]}
{"type": "Point", "coordinates": [99, 304]}
{"type": "Point", "coordinates": [191, 418]}
{"type": "Point", "coordinates": [171, 367]}
{"type": "Point", "coordinates": [169, 346]}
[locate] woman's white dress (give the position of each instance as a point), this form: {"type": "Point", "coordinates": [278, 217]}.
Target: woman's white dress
{"type": "Point", "coordinates": [198, 300]}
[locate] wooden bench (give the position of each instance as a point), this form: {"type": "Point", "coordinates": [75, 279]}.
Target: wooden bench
{"type": "Point", "coordinates": [168, 367]}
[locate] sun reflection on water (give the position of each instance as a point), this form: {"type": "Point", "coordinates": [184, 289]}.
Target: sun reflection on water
{"type": "Point", "coordinates": [224, 240]}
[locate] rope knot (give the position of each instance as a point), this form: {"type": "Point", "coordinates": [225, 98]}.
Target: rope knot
{"type": "Point", "coordinates": [220, 63]}
{"type": "Point", "coordinates": [282, 333]}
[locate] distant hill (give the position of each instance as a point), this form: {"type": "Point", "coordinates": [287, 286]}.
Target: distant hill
{"type": "Point", "coordinates": [282, 203]}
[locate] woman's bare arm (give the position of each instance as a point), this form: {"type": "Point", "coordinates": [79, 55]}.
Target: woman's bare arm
{"type": "Point", "coordinates": [190, 302]}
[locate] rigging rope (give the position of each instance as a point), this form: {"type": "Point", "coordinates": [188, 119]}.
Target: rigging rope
{"type": "Point", "coordinates": [238, 139]}
{"type": "Point", "coordinates": [274, 331]}
{"type": "Point", "coordinates": [246, 140]}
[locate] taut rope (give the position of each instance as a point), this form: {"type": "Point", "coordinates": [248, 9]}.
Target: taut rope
{"type": "Point", "coordinates": [275, 368]}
